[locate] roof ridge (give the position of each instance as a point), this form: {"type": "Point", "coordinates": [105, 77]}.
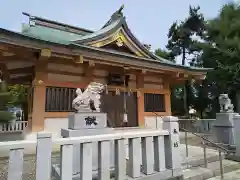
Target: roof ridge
{"type": "Point", "coordinates": [115, 16]}
{"type": "Point", "coordinates": [55, 22]}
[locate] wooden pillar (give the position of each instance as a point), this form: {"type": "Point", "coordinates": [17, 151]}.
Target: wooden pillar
{"type": "Point", "coordinates": [140, 85]}
{"type": "Point", "coordinates": [39, 96]}
{"type": "Point", "coordinates": [88, 72]}
{"type": "Point", "coordinates": [167, 97]}
{"type": "Point", "coordinates": [39, 92]}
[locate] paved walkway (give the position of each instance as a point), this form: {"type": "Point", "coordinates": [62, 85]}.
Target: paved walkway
{"type": "Point", "coordinates": [234, 175]}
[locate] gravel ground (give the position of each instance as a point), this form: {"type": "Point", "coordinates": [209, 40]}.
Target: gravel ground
{"type": "Point", "coordinates": [29, 161]}
{"type": "Point", "coordinates": [28, 167]}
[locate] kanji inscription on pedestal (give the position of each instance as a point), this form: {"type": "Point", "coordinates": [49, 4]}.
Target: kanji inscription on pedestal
{"type": "Point", "coordinates": [90, 120]}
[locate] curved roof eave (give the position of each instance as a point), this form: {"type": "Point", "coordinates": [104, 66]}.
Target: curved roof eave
{"type": "Point", "coordinates": [111, 28]}
{"type": "Point", "coordinates": [101, 33]}
{"type": "Point", "coordinates": [164, 63]}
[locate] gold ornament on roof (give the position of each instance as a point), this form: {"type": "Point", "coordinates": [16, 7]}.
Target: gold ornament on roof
{"type": "Point", "coordinates": [119, 42]}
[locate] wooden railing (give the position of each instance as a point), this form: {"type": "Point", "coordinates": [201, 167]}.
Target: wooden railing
{"type": "Point", "coordinates": [18, 126]}
{"type": "Point", "coordinates": [152, 154]}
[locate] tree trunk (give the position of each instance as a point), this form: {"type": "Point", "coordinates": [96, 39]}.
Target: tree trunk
{"type": "Point", "coordinates": [185, 85]}
{"type": "Point", "coordinates": [185, 102]}
{"type": "Point", "coordinates": [237, 101]}
{"type": "Point", "coordinates": [183, 56]}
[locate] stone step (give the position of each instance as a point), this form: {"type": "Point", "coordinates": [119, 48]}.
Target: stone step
{"type": "Point", "coordinates": [213, 169]}
{"type": "Point", "coordinates": [234, 175]}
{"type": "Point", "coordinates": [199, 160]}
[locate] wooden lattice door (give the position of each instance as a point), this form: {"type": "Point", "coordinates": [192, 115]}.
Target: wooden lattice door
{"type": "Point", "coordinates": [113, 105]}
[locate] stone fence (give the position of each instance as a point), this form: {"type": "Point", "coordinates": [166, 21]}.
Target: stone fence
{"type": "Point", "coordinates": [151, 154]}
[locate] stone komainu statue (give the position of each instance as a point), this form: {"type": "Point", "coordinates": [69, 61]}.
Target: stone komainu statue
{"type": "Point", "coordinates": [225, 103]}
{"type": "Point", "coordinates": [89, 100]}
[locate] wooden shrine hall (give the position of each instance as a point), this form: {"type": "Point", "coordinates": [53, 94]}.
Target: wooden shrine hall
{"type": "Point", "coordinates": [54, 59]}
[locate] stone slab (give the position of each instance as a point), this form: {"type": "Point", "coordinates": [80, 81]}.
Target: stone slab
{"type": "Point", "coordinates": [87, 120]}
{"type": "Point", "coordinates": [163, 175]}
{"type": "Point", "coordinates": [234, 175]}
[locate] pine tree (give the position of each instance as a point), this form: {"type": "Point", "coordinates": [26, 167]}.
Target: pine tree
{"type": "Point", "coordinates": [181, 42]}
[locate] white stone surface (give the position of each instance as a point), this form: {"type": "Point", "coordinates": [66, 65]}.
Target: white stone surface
{"type": "Point", "coordinates": [225, 103]}
{"type": "Point", "coordinates": [55, 125]}
{"type": "Point", "coordinates": [92, 93]}
{"type": "Point", "coordinates": [236, 121]}
{"type": "Point", "coordinates": [153, 122]}
{"type": "Point", "coordinates": [79, 120]}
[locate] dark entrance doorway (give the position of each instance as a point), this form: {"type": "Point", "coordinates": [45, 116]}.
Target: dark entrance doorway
{"type": "Point", "coordinates": [113, 105]}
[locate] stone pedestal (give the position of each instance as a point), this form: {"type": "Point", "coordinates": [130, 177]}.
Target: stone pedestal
{"type": "Point", "coordinates": [236, 120]}
{"type": "Point", "coordinates": [87, 124]}
{"type": "Point", "coordinates": [223, 128]}
{"type": "Point", "coordinates": [87, 120]}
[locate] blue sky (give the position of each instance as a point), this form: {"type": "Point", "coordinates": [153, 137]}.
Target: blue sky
{"type": "Point", "coordinates": [149, 20]}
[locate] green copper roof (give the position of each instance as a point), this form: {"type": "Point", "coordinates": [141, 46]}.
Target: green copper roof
{"type": "Point", "coordinates": [101, 32]}
{"type": "Point", "coordinates": [49, 34]}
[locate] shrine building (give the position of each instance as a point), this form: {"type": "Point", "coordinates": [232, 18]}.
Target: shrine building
{"type": "Point", "coordinates": [53, 59]}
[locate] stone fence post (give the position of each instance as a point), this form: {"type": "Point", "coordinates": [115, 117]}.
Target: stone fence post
{"type": "Point", "coordinates": [172, 145]}
{"type": "Point", "coordinates": [43, 155]}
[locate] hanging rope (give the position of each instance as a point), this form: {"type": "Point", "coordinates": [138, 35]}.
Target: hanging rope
{"type": "Point", "coordinates": [106, 89]}
{"type": "Point", "coordinates": [125, 118]}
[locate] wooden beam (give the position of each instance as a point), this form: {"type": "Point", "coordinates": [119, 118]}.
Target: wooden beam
{"type": "Point", "coordinates": [28, 70]}
{"type": "Point", "coordinates": [41, 66]}
{"type": "Point", "coordinates": [22, 80]}
{"type": "Point", "coordinates": [88, 73]}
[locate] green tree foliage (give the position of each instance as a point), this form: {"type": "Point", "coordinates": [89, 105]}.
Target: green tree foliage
{"type": "Point", "coordinates": [165, 54]}
{"type": "Point", "coordinates": [19, 98]}
{"type": "Point", "coordinates": [210, 44]}
{"type": "Point", "coordinates": [221, 51]}
{"type": "Point", "coordinates": [183, 40]}
{"type": "Point", "coordinates": [5, 97]}
{"type": "Point", "coordinates": [223, 47]}
{"type": "Point", "coordinates": [182, 37]}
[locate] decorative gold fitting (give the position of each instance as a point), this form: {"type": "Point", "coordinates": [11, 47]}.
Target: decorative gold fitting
{"type": "Point", "coordinates": [79, 59]}
{"type": "Point", "coordinates": [91, 63]}
{"type": "Point", "coordinates": [144, 71]}
{"type": "Point", "coordinates": [129, 92]}
{"type": "Point", "coordinates": [139, 94]}
{"type": "Point", "coordinates": [46, 53]}
{"type": "Point", "coordinates": [40, 81]}
{"type": "Point", "coordinates": [117, 91]}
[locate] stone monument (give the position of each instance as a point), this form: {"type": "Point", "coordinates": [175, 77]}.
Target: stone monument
{"type": "Point", "coordinates": [223, 128]}
{"type": "Point", "coordinates": [87, 106]}
{"type": "Point", "coordinates": [87, 120]}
